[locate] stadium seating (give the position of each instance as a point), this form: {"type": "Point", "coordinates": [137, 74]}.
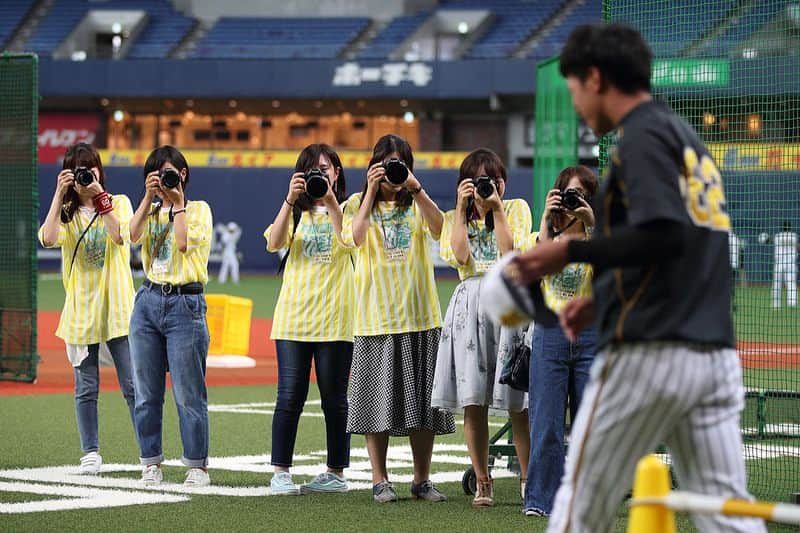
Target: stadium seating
{"type": "Point", "coordinates": [11, 14]}
{"type": "Point", "coordinates": [742, 28]}
{"type": "Point", "coordinates": [515, 21]}
{"type": "Point", "coordinates": [165, 26]}
{"type": "Point", "coordinates": [279, 38]}
{"type": "Point", "coordinates": [587, 13]}
{"type": "Point", "coordinates": [392, 36]}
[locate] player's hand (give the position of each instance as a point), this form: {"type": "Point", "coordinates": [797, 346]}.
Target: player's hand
{"type": "Point", "coordinates": [64, 181]}
{"type": "Point", "coordinates": [152, 185]}
{"type": "Point", "coordinates": [464, 193]}
{"type": "Point", "coordinates": [576, 315]}
{"type": "Point", "coordinates": [552, 203]}
{"type": "Point", "coordinates": [297, 186]}
{"type": "Point", "coordinates": [546, 258]}
{"type": "Point", "coordinates": [375, 175]}
{"type": "Point", "coordinates": [584, 213]}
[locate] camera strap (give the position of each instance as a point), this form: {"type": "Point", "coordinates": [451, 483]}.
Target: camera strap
{"type": "Point", "coordinates": [296, 214]}
{"type": "Point", "coordinates": [556, 233]}
{"type": "Point", "coordinates": [83, 234]}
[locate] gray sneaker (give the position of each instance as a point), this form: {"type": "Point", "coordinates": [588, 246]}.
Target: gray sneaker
{"type": "Point", "coordinates": [427, 491]}
{"type": "Point", "coordinates": [383, 492]}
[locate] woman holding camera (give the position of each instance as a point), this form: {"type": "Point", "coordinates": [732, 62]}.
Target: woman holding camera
{"type": "Point", "coordinates": [559, 369]}
{"type": "Point", "coordinates": [397, 320]}
{"type": "Point", "coordinates": [92, 231]}
{"type": "Point", "coordinates": [473, 349]}
{"type": "Point", "coordinates": [168, 325]}
{"type": "Point", "coordinates": [313, 316]}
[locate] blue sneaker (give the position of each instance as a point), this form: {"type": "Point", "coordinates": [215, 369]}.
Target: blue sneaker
{"type": "Point", "coordinates": [282, 485]}
{"type": "Point", "coordinates": [325, 482]}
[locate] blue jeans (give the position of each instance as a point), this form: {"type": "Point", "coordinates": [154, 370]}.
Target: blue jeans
{"type": "Point", "coordinates": [170, 332]}
{"type": "Point", "coordinates": [87, 385]}
{"type": "Point", "coordinates": [332, 362]}
{"type": "Point", "coordinates": [559, 370]}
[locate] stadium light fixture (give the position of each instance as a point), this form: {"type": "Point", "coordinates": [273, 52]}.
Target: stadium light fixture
{"type": "Point", "coordinates": [119, 114]}
{"type": "Point", "coordinates": [463, 28]}
{"type": "Point", "coordinates": [116, 28]}
{"type": "Point", "coordinates": [408, 117]}
{"type": "Point", "coordinates": [709, 119]}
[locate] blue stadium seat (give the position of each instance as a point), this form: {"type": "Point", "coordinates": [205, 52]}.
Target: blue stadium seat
{"type": "Point", "coordinates": [742, 27]}
{"type": "Point", "coordinates": [165, 26]}
{"type": "Point", "coordinates": [551, 44]}
{"type": "Point", "coordinates": [392, 36]}
{"type": "Point", "coordinates": [279, 38]}
{"type": "Point", "coordinates": [515, 21]}
{"type": "Point", "coordinates": [12, 12]}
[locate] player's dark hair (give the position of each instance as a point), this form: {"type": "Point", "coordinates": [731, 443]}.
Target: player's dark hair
{"type": "Point", "coordinates": [589, 183]}
{"type": "Point", "coordinates": [617, 50]}
{"type": "Point", "coordinates": [79, 155]}
{"type": "Point", "coordinates": [387, 145]}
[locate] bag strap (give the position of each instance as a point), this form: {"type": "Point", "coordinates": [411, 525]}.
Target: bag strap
{"type": "Point", "coordinates": [296, 214]}
{"type": "Point", "coordinates": [83, 234]}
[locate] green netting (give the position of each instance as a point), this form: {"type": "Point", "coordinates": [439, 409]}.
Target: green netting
{"type": "Point", "coordinates": [732, 69]}
{"type": "Point", "coordinates": [19, 97]}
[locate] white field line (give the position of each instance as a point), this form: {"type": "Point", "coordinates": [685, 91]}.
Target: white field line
{"type": "Point", "coordinates": [77, 498]}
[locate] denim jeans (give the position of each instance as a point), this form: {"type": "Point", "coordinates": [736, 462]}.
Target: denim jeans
{"type": "Point", "coordinates": [87, 385]}
{"type": "Point", "coordinates": [559, 370]}
{"type": "Point", "coordinates": [332, 362]}
{"type": "Point", "coordinates": [170, 332]}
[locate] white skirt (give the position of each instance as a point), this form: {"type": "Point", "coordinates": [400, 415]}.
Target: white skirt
{"type": "Point", "coordinates": [472, 352]}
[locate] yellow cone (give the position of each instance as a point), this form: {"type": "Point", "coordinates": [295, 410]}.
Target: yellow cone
{"type": "Point", "coordinates": [652, 480]}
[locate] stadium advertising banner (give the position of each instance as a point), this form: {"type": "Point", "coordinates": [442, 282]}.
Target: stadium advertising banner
{"type": "Point", "coordinates": [756, 157]}
{"type": "Point", "coordinates": [57, 131]}
{"type": "Point", "coordinates": [273, 158]}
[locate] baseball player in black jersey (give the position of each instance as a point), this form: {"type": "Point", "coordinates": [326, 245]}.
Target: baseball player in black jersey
{"type": "Point", "coordinates": [667, 370]}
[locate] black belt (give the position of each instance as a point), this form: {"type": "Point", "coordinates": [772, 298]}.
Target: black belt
{"type": "Point", "coordinates": [169, 288]}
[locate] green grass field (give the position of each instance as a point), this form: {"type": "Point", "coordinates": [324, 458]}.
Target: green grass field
{"type": "Point", "coordinates": [40, 431]}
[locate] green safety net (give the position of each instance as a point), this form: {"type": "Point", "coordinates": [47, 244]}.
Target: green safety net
{"type": "Point", "coordinates": [731, 68]}
{"type": "Point", "coordinates": [18, 216]}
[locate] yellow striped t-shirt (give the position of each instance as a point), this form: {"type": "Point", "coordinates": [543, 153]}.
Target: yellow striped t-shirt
{"type": "Point", "coordinates": [574, 281]}
{"type": "Point", "coordinates": [99, 291]}
{"type": "Point", "coordinates": [395, 289]}
{"type": "Point", "coordinates": [172, 266]}
{"type": "Point", "coordinates": [482, 242]}
{"type": "Point", "coordinates": [316, 299]}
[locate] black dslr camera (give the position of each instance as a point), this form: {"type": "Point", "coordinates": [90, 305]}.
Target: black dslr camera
{"type": "Point", "coordinates": [396, 171]}
{"type": "Point", "coordinates": [484, 186]}
{"type": "Point", "coordinates": [170, 178]}
{"type": "Point", "coordinates": [316, 183]}
{"type": "Point", "coordinates": [571, 199]}
{"type": "Point", "coordinates": [83, 176]}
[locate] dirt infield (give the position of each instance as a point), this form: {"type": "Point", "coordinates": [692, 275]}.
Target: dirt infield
{"type": "Point", "coordinates": [55, 373]}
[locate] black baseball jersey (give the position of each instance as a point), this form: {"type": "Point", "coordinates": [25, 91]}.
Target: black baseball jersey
{"type": "Point", "coordinates": [659, 170]}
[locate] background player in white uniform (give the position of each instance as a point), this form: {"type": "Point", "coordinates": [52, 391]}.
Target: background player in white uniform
{"type": "Point", "coordinates": [667, 370]}
{"type": "Point", "coordinates": [785, 272]}
{"type": "Point", "coordinates": [229, 236]}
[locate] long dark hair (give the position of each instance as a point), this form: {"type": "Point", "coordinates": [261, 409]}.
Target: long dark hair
{"type": "Point", "coordinates": [308, 159]}
{"type": "Point", "coordinates": [492, 165]}
{"type": "Point", "coordinates": [166, 154]}
{"type": "Point", "coordinates": [588, 182]}
{"type": "Point", "coordinates": [79, 155]}
{"type": "Point", "coordinates": [387, 145]}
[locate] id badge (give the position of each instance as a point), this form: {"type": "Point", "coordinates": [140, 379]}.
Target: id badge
{"type": "Point", "coordinates": [395, 255]}
{"type": "Point", "coordinates": [160, 266]}
{"type": "Point", "coordinates": [322, 258]}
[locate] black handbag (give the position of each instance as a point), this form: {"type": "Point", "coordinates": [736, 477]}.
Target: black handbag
{"type": "Point", "coordinates": [515, 371]}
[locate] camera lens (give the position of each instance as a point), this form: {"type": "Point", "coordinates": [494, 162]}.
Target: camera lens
{"type": "Point", "coordinates": [396, 171]}
{"type": "Point", "coordinates": [316, 183]}
{"type": "Point", "coordinates": [484, 185]}
{"type": "Point", "coordinates": [571, 199]}
{"type": "Point", "coordinates": [83, 176]}
{"type": "Point", "coordinates": [170, 178]}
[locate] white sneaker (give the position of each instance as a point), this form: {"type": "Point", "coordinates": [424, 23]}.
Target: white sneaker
{"type": "Point", "coordinates": [90, 464]}
{"type": "Point", "coordinates": [152, 475]}
{"type": "Point", "coordinates": [197, 477]}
